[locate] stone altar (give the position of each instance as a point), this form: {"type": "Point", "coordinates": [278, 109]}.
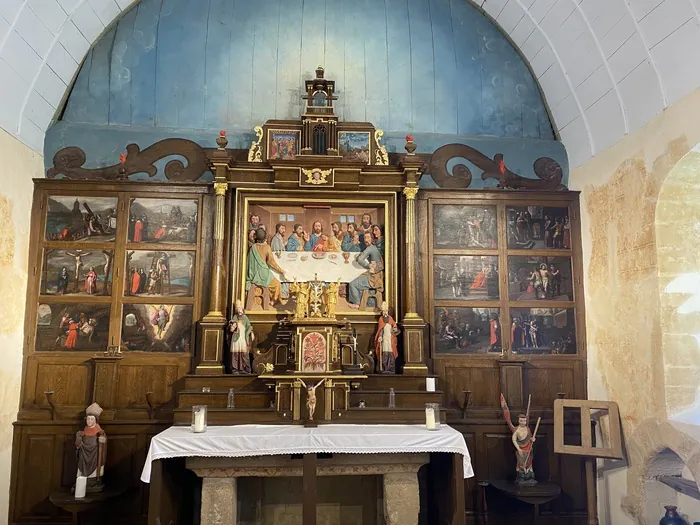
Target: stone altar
{"type": "Point", "coordinates": [222, 482]}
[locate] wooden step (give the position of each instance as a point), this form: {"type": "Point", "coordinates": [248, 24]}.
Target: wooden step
{"type": "Point", "coordinates": [219, 398]}
{"type": "Point", "coordinates": [404, 398]}
{"type": "Point", "coordinates": [235, 416]}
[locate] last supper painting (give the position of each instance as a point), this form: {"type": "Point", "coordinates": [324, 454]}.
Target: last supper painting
{"type": "Point", "coordinates": [332, 241]}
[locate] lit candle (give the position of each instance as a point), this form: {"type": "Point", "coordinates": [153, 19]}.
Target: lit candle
{"type": "Point", "coordinates": [199, 421]}
{"type": "Point", "coordinates": [430, 384]}
{"type": "Point", "coordinates": [80, 487]}
{"type": "Point", "coordinates": [430, 418]}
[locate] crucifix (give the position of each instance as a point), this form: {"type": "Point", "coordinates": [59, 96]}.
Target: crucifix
{"type": "Point", "coordinates": [78, 254]}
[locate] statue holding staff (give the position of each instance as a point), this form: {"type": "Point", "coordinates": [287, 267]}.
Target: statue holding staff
{"type": "Point", "coordinates": [523, 440]}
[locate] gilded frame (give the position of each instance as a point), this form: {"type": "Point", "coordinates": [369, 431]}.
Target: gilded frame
{"type": "Point", "coordinates": [272, 131]}
{"type": "Point", "coordinates": [238, 247]}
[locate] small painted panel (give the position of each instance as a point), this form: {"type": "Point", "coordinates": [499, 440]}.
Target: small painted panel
{"type": "Point", "coordinates": [163, 221]}
{"type": "Point", "coordinates": [62, 326]}
{"type": "Point", "coordinates": [157, 327]}
{"type": "Point", "coordinates": [81, 219]}
{"type": "Point", "coordinates": [538, 228]}
{"type": "Point", "coordinates": [161, 273]}
{"type": "Point", "coordinates": [283, 144]}
{"type": "Point", "coordinates": [460, 227]}
{"type": "Point", "coordinates": [313, 352]}
{"type": "Point", "coordinates": [354, 146]}
{"type": "Point", "coordinates": [543, 331]}
{"type": "Point", "coordinates": [467, 331]}
{"type": "Point", "coordinates": [77, 272]}
{"type": "Point", "coordinates": [533, 278]}
{"type": "Point", "coordinates": [465, 277]}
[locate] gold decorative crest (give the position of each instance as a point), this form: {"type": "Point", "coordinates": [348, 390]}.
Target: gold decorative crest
{"type": "Point", "coordinates": [316, 175]}
{"type": "Point", "coordinates": [255, 151]}
{"type": "Point", "coordinates": [380, 154]}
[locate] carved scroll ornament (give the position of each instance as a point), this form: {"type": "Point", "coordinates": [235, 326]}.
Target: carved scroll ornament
{"type": "Point", "coordinates": [548, 171]}
{"type": "Point", "coordinates": [69, 162]}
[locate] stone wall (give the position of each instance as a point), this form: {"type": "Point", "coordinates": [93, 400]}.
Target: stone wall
{"type": "Point", "coordinates": [19, 165]}
{"type": "Point", "coordinates": [637, 238]}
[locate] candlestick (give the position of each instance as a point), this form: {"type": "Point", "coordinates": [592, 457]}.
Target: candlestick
{"type": "Point", "coordinates": [430, 384]}
{"type": "Point", "coordinates": [80, 487]}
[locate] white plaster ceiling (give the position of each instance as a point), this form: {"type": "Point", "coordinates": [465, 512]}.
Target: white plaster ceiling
{"type": "Point", "coordinates": [606, 67]}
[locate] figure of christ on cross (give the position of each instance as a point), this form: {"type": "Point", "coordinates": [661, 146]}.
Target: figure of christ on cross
{"type": "Point", "coordinates": [311, 398]}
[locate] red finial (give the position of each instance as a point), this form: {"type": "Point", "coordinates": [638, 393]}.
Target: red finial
{"type": "Point", "coordinates": [502, 166]}
{"type": "Point", "coordinates": [222, 133]}
{"type": "Point", "coordinates": [122, 158]}
{"type": "Point", "coordinates": [409, 138]}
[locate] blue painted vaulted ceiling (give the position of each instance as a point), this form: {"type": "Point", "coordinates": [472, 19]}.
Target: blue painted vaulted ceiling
{"type": "Point", "coordinates": [420, 66]}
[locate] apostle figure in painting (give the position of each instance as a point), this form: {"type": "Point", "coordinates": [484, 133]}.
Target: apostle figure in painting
{"type": "Point", "coordinates": [378, 234]}
{"type": "Point", "coordinates": [90, 281]}
{"type": "Point", "coordinates": [261, 262]}
{"type": "Point", "coordinates": [364, 227]}
{"type": "Point", "coordinates": [277, 241]}
{"type": "Point", "coordinates": [370, 258]}
{"type": "Point", "coordinates": [91, 445]}
{"type": "Point", "coordinates": [386, 342]}
{"type": "Point", "coordinates": [254, 222]}
{"type": "Point", "coordinates": [316, 232]}
{"type": "Point", "coordinates": [296, 240]}
{"type": "Point", "coordinates": [495, 333]}
{"type": "Point", "coordinates": [351, 240]}
{"type": "Point", "coordinates": [72, 337]}
{"type": "Point", "coordinates": [242, 337]}
{"type": "Point", "coordinates": [523, 440]}
{"type": "Point", "coordinates": [63, 279]}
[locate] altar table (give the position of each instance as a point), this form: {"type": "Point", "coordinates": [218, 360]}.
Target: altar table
{"type": "Point", "coordinates": [394, 451]}
{"type": "Point", "coordinates": [327, 266]}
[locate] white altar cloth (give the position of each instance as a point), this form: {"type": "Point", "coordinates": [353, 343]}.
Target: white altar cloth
{"type": "Point", "coordinates": [277, 440]}
{"type": "Point", "coordinates": [330, 268]}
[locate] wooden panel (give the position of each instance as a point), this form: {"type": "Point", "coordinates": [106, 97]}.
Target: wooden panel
{"type": "Point", "coordinates": [482, 380]}
{"type": "Point", "coordinates": [545, 381]}
{"type": "Point", "coordinates": [500, 456]}
{"type": "Point", "coordinates": [136, 380]}
{"type": "Point", "coordinates": [121, 459]}
{"type": "Point", "coordinates": [69, 382]}
{"type": "Point", "coordinates": [37, 459]}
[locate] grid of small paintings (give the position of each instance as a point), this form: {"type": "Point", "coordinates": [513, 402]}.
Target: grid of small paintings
{"type": "Point", "coordinates": [502, 288]}
{"type": "Point", "coordinates": [84, 248]}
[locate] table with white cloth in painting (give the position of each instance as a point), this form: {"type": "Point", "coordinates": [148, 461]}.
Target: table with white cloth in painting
{"type": "Point", "coordinates": [223, 455]}
{"type": "Point", "coordinates": [329, 267]}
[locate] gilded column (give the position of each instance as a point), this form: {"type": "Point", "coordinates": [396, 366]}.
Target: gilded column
{"type": "Point", "coordinates": [413, 324]}
{"type": "Point", "coordinates": [211, 327]}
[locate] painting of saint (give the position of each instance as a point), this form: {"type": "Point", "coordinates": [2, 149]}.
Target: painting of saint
{"type": "Point", "coordinates": [532, 278]}
{"type": "Point", "coordinates": [77, 272]}
{"type": "Point", "coordinates": [336, 242]}
{"type": "Point", "coordinates": [166, 273]}
{"type": "Point", "coordinates": [163, 221]}
{"type": "Point", "coordinates": [81, 218]}
{"type": "Point", "coordinates": [465, 277]}
{"type": "Point", "coordinates": [538, 228]}
{"type": "Point", "coordinates": [157, 327]}
{"type": "Point", "coordinates": [460, 227]}
{"type": "Point", "coordinates": [543, 331]}
{"type": "Point", "coordinates": [70, 326]}
{"type": "Point", "coordinates": [467, 330]}
{"type": "Point", "coordinates": [354, 146]}
{"type": "Point", "coordinates": [283, 145]}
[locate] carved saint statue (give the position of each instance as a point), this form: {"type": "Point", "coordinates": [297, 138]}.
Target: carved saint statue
{"type": "Point", "coordinates": [301, 291]}
{"type": "Point", "coordinates": [311, 398]}
{"type": "Point", "coordinates": [242, 337]}
{"type": "Point", "coordinates": [386, 342]}
{"type": "Point", "coordinates": [331, 298]}
{"type": "Point", "coordinates": [91, 443]}
{"type": "Point", "coordinates": [523, 441]}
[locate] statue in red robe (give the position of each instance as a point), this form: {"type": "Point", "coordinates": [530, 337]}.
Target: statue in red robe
{"type": "Point", "coordinates": [386, 342]}
{"type": "Point", "coordinates": [91, 445]}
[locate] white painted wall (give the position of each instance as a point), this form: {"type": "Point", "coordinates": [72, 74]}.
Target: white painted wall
{"type": "Point", "coordinates": [19, 165]}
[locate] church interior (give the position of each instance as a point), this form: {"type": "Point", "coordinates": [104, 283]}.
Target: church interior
{"type": "Point", "coordinates": [416, 262]}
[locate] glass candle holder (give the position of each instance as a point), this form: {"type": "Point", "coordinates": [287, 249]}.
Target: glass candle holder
{"type": "Point", "coordinates": [432, 416]}
{"type": "Point", "coordinates": [199, 418]}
